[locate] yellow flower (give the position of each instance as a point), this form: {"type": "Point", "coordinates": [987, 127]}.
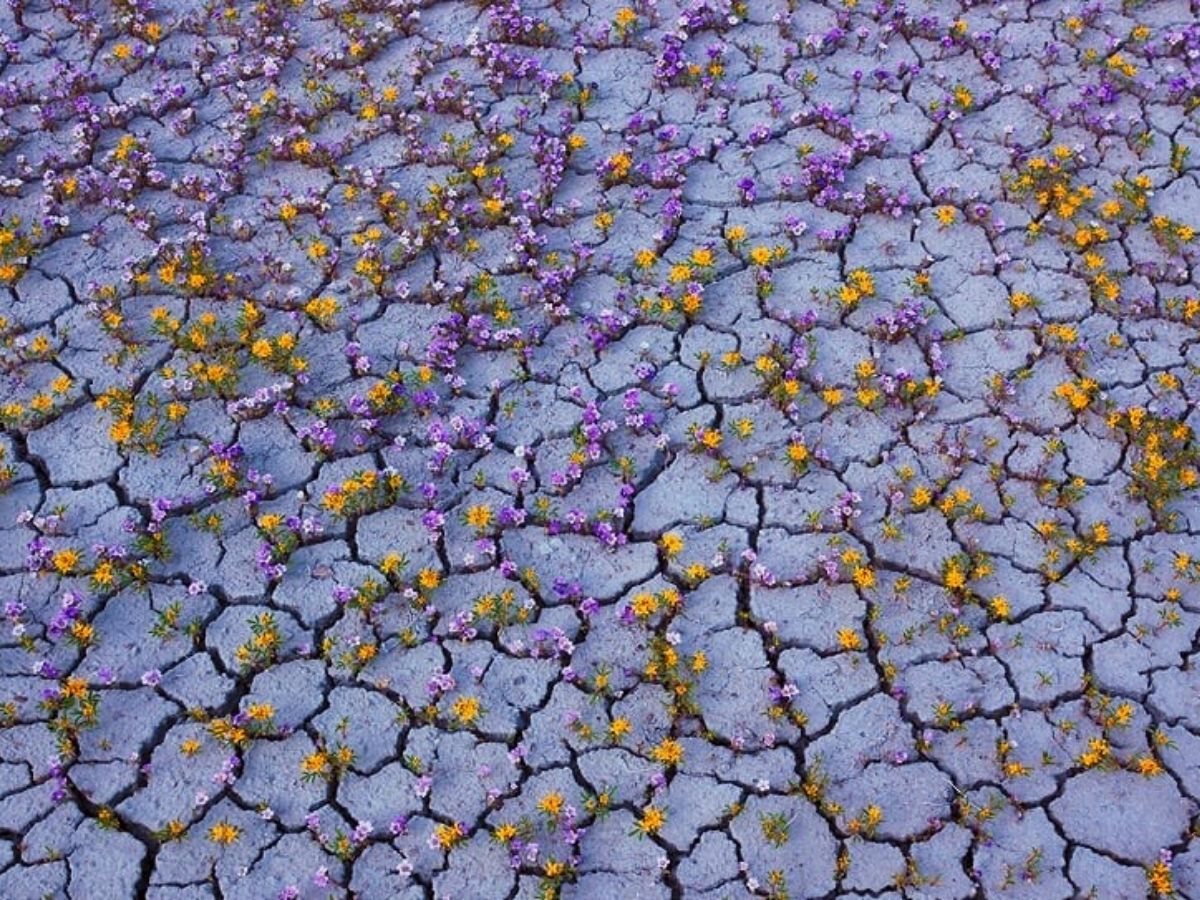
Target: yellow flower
{"type": "Point", "coordinates": [644, 605]}
{"type": "Point", "coordinates": [260, 712]}
{"type": "Point", "coordinates": [946, 215]}
{"type": "Point", "coordinates": [1096, 753]}
{"type": "Point", "coordinates": [669, 752]}
{"type": "Point", "coordinates": [269, 521]}
{"type": "Point", "coordinates": [671, 544]}
{"type": "Point", "coordinates": [552, 804]}
{"type": "Point", "coordinates": [65, 561]}
{"type": "Point", "coordinates": [955, 580]}
{"type": "Point", "coordinates": [121, 431]}
{"type": "Point", "coordinates": [446, 836]}
{"type": "Point", "coordinates": [862, 281]}
{"type": "Point", "coordinates": [391, 564]}
{"type": "Point", "coordinates": [103, 573]}
{"type": "Point", "coordinates": [652, 820]}
{"type": "Point", "coordinates": [83, 633]}
{"type": "Point", "coordinates": [619, 165]}
{"type": "Point", "coordinates": [479, 516]}
{"type": "Point", "coordinates": [1159, 880]}
{"type": "Point", "coordinates": [680, 272]}
{"type": "Point", "coordinates": [224, 833]}
{"type": "Point", "coordinates": [709, 438]}
{"type": "Point", "coordinates": [466, 709]}
{"type": "Point", "coordinates": [866, 396]}
{"type": "Point", "coordinates": [864, 577]}
{"type": "Point", "coordinates": [625, 17]}
{"type": "Point", "coordinates": [314, 764]}
{"type": "Point", "coordinates": [849, 639]}
{"type": "Point", "coordinates": [1149, 767]}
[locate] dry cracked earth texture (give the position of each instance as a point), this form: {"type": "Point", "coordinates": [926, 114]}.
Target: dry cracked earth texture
{"type": "Point", "coordinates": [537, 449]}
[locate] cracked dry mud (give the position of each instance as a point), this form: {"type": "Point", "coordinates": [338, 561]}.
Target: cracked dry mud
{"type": "Point", "coordinates": [529, 449]}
